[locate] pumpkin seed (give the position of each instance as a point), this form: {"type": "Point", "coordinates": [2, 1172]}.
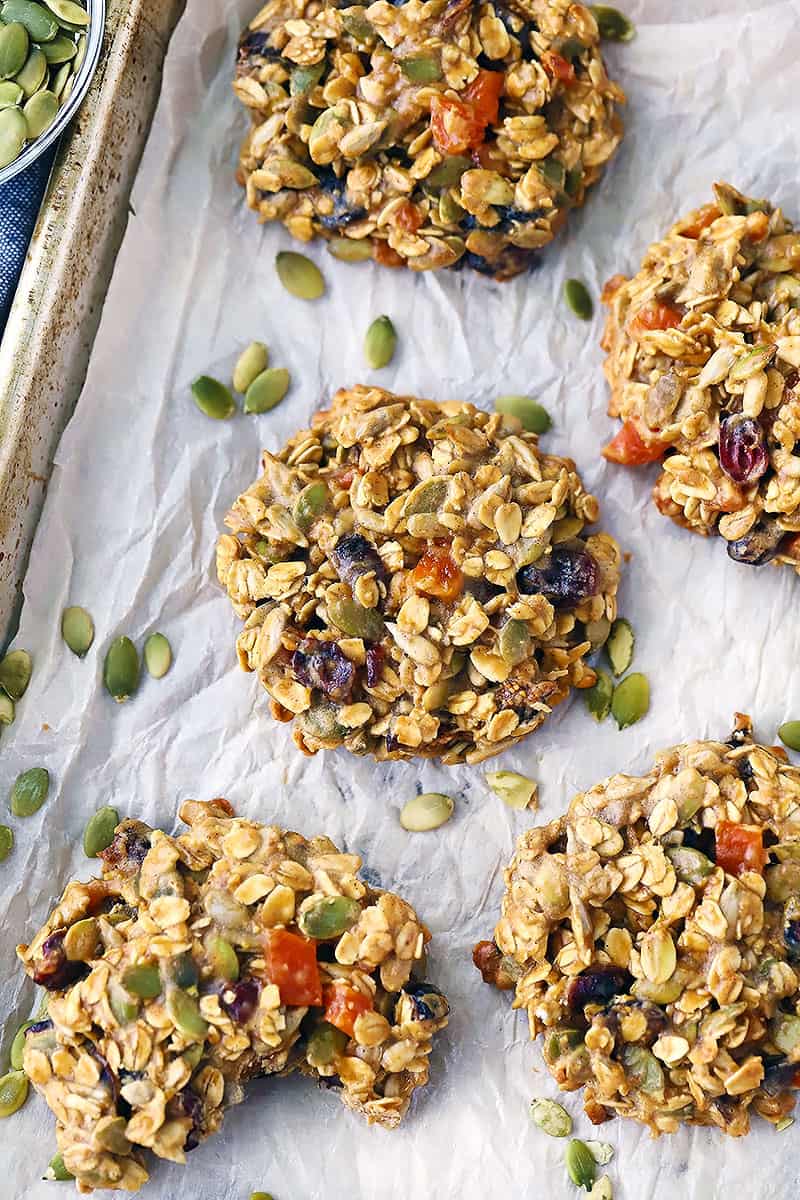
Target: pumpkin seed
{"type": "Point", "coordinates": [620, 645]}
{"type": "Point", "coordinates": [185, 1013]}
{"type": "Point", "coordinates": [69, 11]}
{"type": "Point", "coordinates": [553, 172]}
{"type": "Point", "coordinates": [77, 629]}
{"type": "Point", "coordinates": [430, 810]}
{"type": "Point", "coordinates": [786, 1033]}
{"type": "Point", "coordinates": [18, 1046]}
{"type": "Point", "coordinates": [122, 1006]}
{"type": "Point", "coordinates": [580, 1164]}
{"type": "Point", "coordinates": [267, 390]}
{"type": "Point", "coordinates": [598, 698]}
{"type": "Point", "coordinates": [59, 78]}
{"type": "Point", "coordinates": [659, 993]}
{"type": "Point", "coordinates": [534, 418]}
{"type": "Point", "coordinates": [578, 298]}
{"type": "Point", "coordinates": [357, 25]}
{"type": "Point", "coordinates": [644, 1067]}
{"type": "Point", "coordinates": [143, 980]}
{"type": "Point", "coordinates": [566, 529]}
{"type": "Point", "coordinates": [14, 43]}
{"type": "Point", "coordinates": [355, 620]}
{"type": "Point", "coordinates": [631, 700]}
{"type": "Point", "coordinates": [551, 1118]}
{"type": "Point", "coordinates": [29, 791]}
{"type": "Point", "coordinates": [328, 917]}
{"type": "Point", "coordinates": [38, 22]}
{"type": "Point", "coordinates": [602, 1152]}
{"type": "Point", "coordinates": [691, 866]}
{"type": "Point", "coordinates": [13, 132]}
{"type": "Point", "coordinates": [612, 24]}
{"type": "Point", "coordinates": [99, 832]}
{"type": "Point", "coordinates": [310, 504]}
{"type": "Point", "coordinates": [121, 669]}
{"type": "Point", "coordinates": [753, 361]}
{"type": "Point", "coordinates": [789, 733]}
{"type": "Point", "coordinates": [380, 343]}
{"type": "Point", "coordinates": [299, 275]}
{"type": "Point", "coordinates": [222, 957]}
{"type": "Point", "coordinates": [325, 1045]}
{"type": "Point", "coordinates": [6, 842]}
{"type": "Point", "coordinates": [350, 249]}
{"type": "Point", "coordinates": [421, 68]}
{"type": "Point", "coordinates": [428, 496]}
{"type": "Point", "coordinates": [7, 710]}
{"type": "Point", "coordinates": [81, 940]}
{"type": "Point", "coordinates": [61, 50]}
{"type": "Point", "coordinates": [602, 1189]}
{"type": "Point", "coordinates": [249, 365]}
{"type": "Point", "coordinates": [515, 790]}
{"type": "Point", "coordinates": [303, 79]}
{"type": "Point", "coordinates": [157, 655]}
{"type": "Point", "coordinates": [260, 1196]}
{"type": "Point", "coordinates": [15, 673]}
{"type": "Point", "coordinates": [449, 173]}
{"type": "Point", "coordinates": [514, 642]}
{"type": "Point", "coordinates": [33, 74]}
{"type": "Point", "coordinates": [40, 112]}
{"type": "Point", "coordinates": [11, 94]}
{"type": "Point", "coordinates": [784, 1123]}
{"type": "Point", "coordinates": [213, 398]}
{"type": "Point", "coordinates": [56, 1171]}
{"type": "Point", "coordinates": [13, 1092]}
{"type": "Point", "coordinates": [597, 631]}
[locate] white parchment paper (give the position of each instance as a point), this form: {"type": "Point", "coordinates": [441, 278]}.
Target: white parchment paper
{"type": "Point", "coordinates": [137, 496]}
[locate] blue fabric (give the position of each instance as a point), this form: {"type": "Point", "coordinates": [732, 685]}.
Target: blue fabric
{"type": "Point", "coordinates": [20, 201]}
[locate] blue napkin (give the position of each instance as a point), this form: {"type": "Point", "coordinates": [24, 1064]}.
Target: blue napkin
{"type": "Point", "coordinates": [20, 201]}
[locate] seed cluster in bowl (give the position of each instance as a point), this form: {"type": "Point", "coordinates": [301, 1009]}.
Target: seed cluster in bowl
{"type": "Point", "coordinates": [200, 961]}
{"type": "Point", "coordinates": [417, 579]}
{"type": "Point", "coordinates": [430, 134]}
{"type": "Point", "coordinates": [704, 366]}
{"type": "Point", "coordinates": [653, 937]}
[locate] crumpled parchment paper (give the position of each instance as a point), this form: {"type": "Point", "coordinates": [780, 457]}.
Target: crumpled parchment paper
{"type": "Point", "coordinates": [140, 486]}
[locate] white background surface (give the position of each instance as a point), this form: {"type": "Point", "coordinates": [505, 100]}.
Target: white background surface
{"type": "Point", "coordinates": [140, 487]}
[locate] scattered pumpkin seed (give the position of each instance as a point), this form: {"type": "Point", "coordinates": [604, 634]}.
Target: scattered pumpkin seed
{"type": "Point", "coordinates": [602, 1152]}
{"type": "Point", "coordinates": [598, 698]}
{"type": "Point", "coordinates": [77, 629]}
{"type": "Point", "coordinates": [310, 504]}
{"type": "Point", "coordinates": [81, 939]}
{"type": "Point", "coordinates": [56, 1171]}
{"type": "Point", "coordinates": [7, 710]}
{"type": "Point", "coordinates": [15, 673]}
{"type": "Point", "coordinates": [266, 390]}
{"type": "Point", "coordinates": [328, 917]}
{"type": "Point", "coordinates": [6, 842]}
{"type": "Point", "coordinates": [355, 620]}
{"type": "Point", "coordinates": [602, 1189]}
{"type": "Point", "coordinates": [578, 298]}
{"type": "Point", "coordinates": [14, 43]}
{"type": "Point", "coordinates": [631, 700]}
{"type": "Point", "coordinates": [551, 1118]}
{"type": "Point", "coordinates": [614, 26]}
{"type": "Point", "coordinates": [784, 1123]}
{"type": "Point", "coordinates": [260, 1196]}
{"type": "Point", "coordinates": [143, 980]}
{"type": "Point", "coordinates": [249, 365]}
{"type": "Point", "coordinates": [620, 646]}
{"type": "Point", "coordinates": [223, 959]}
{"type": "Point", "coordinates": [185, 1012]}
{"type": "Point", "coordinates": [99, 832]}
{"type": "Point", "coordinates": [325, 1044]}
{"type": "Point", "coordinates": [580, 1164]}
{"type": "Point", "coordinates": [157, 655]}
{"type": "Point", "coordinates": [13, 1092]}
{"type": "Point", "coordinates": [534, 418]}
{"type": "Point", "coordinates": [69, 11]}
{"type": "Point", "coordinates": [515, 790]}
{"type": "Point", "coordinates": [38, 22]}
{"type": "Point", "coordinates": [350, 250]}
{"type": "Point", "coordinates": [430, 810]}
{"type": "Point", "coordinates": [789, 733]}
{"type": "Point", "coordinates": [213, 398]}
{"type": "Point", "coordinates": [29, 791]}
{"type": "Point", "coordinates": [380, 343]}
{"type": "Point", "coordinates": [299, 275]}
{"type": "Point", "coordinates": [18, 1046]}
{"type": "Point", "coordinates": [13, 132]}
{"type": "Point", "coordinates": [121, 669]}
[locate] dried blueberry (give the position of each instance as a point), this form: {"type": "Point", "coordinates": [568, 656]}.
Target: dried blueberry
{"type": "Point", "coordinates": [52, 969]}
{"type": "Point", "coordinates": [240, 999]}
{"type": "Point", "coordinates": [128, 850]}
{"type": "Point", "coordinates": [758, 546]}
{"type": "Point", "coordinates": [779, 1075]}
{"type": "Point", "coordinates": [39, 1027]}
{"type": "Point", "coordinates": [422, 1002]}
{"type": "Point", "coordinates": [188, 1104]}
{"type": "Point", "coordinates": [791, 928]}
{"type": "Point", "coordinates": [565, 578]}
{"type": "Point", "coordinates": [323, 665]}
{"type": "Point", "coordinates": [253, 45]}
{"type": "Point", "coordinates": [343, 212]}
{"type": "Point", "coordinates": [702, 840]}
{"type": "Point", "coordinates": [353, 556]}
{"type": "Point", "coordinates": [374, 664]}
{"type": "Point", "coordinates": [743, 451]}
{"type": "Point", "coordinates": [598, 985]}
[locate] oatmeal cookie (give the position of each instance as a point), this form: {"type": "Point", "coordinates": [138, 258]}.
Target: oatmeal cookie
{"type": "Point", "coordinates": [653, 936]}
{"type": "Point", "coordinates": [200, 961]}
{"type": "Point", "coordinates": [703, 357]}
{"type": "Point", "coordinates": [416, 579]}
{"type": "Point", "coordinates": [429, 133]}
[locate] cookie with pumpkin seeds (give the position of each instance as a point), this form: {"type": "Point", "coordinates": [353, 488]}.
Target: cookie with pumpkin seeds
{"type": "Point", "coordinates": [417, 579]}
{"type": "Point", "coordinates": [432, 133]}
{"type": "Point", "coordinates": [200, 961]}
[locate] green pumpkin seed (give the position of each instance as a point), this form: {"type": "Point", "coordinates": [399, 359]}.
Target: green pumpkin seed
{"type": "Point", "coordinates": [15, 673]}
{"type": "Point", "coordinates": [631, 700]}
{"type": "Point", "coordinates": [310, 504]}
{"type": "Point", "coordinates": [267, 390]}
{"type": "Point", "coordinates": [99, 832]}
{"type": "Point", "coordinates": [29, 791]}
{"type": "Point", "coordinates": [598, 698]}
{"type": "Point", "coordinates": [449, 173]}
{"type": "Point", "coordinates": [14, 44]}
{"type": "Point", "coordinates": [13, 134]}
{"type": "Point", "coordinates": [81, 940]}
{"type": "Point", "coordinates": [789, 733]}
{"type": "Point", "coordinates": [213, 398]}
{"type": "Point", "coordinates": [61, 50]}
{"type": "Point", "coordinates": [355, 620]}
{"type": "Point", "coordinates": [122, 1006]}
{"type": "Point", "coordinates": [659, 993]}
{"type": "Point", "coordinates": [421, 68]}
{"type": "Point", "coordinates": [121, 669]}
{"type": "Point", "coordinates": [427, 497]}
{"type": "Point", "coordinates": [83, 42]}
{"type": "Point", "coordinates": [40, 112]}
{"type": "Point", "coordinates": [6, 842]}
{"type": "Point", "coordinates": [249, 365]}
{"type": "Point", "coordinates": [752, 362]}
{"type": "Point", "coordinates": [566, 529]}
{"type": "Point", "coordinates": [786, 1033]}
{"type": "Point", "coordinates": [380, 343]}
{"type": "Point", "coordinates": [184, 1011]}
{"type": "Point", "coordinates": [260, 1196]}
{"type": "Point", "coordinates": [514, 642]}
{"type": "Point", "coordinates": [56, 1171]}
{"type": "Point", "coordinates": [38, 22]}
{"type": "Point", "coordinates": [157, 655]}
{"type": "Point", "coordinates": [143, 980]}
{"type": "Point", "coordinates": [644, 1067]}
{"type": "Point", "coordinates": [18, 1046]}
{"type": "Point", "coordinates": [691, 866]}
{"type": "Point", "coordinates": [428, 811]}
{"type": "Point", "coordinates": [11, 94]}
{"type": "Point", "coordinates": [580, 1164]}
{"type": "Point", "coordinates": [69, 11]}
{"type": "Point", "coordinates": [534, 418]}
{"type": "Point", "coordinates": [33, 74]}
{"type": "Point", "coordinates": [350, 250]}
{"type": "Point", "coordinates": [299, 275]}
{"type": "Point", "coordinates": [77, 629]}
{"type": "Point", "coordinates": [325, 1044]}
{"type": "Point", "coordinates": [620, 646]}
{"type": "Point", "coordinates": [185, 972]}
{"type": "Point", "coordinates": [578, 298]}
{"type": "Point", "coordinates": [7, 710]}
{"type": "Point", "coordinates": [602, 1152]}
{"type": "Point", "coordinates": [597, 632]}
{"type": "Point", "coordinates": [612, 24]}
{"type": "Point", "coordinates": [357, 25]}
{"type": "Point", "coordinates": [303, 79]}
{"type": "Point", "coordinates": [602, 1189]}
{"type": "Point", "coordinates": [13, 1092]}
{"type": "Point", "coordinates": [515, 790]}
{"type": "Point", "coordinates": [551, 1118]}
{"type": "Point", "coordinates": [553, 172]}
{"type": "Point", "coordinates": [328, 917]}
{"type": "Point", "coordinates": [59, 78]}
{"type": "Point", "coordinates": [222, 958]}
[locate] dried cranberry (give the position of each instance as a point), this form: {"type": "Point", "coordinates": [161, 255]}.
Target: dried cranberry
{"type": "Point", "coordinates": [240, 999]}
{"type": "Point", "coordinates": [758, 546]}
{"type": "Point", "coordinates": [743, 451]}
{"type": "Point", "coordinates": [566, 578]}
{"type": "Point", "coordinates": [323, 665]}
{"type": "Point", "coordinates": [375, 657]}
{"type": "Point", "coordinates": [52, 969]}
{"type": "Point", "coordinates": [353, 555]}
{"type": "Point", "coordinates": [597, 985]}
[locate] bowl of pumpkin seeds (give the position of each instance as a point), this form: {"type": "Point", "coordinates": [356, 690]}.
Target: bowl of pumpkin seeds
{"type": "Point", "coordinates": [48, 53]}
